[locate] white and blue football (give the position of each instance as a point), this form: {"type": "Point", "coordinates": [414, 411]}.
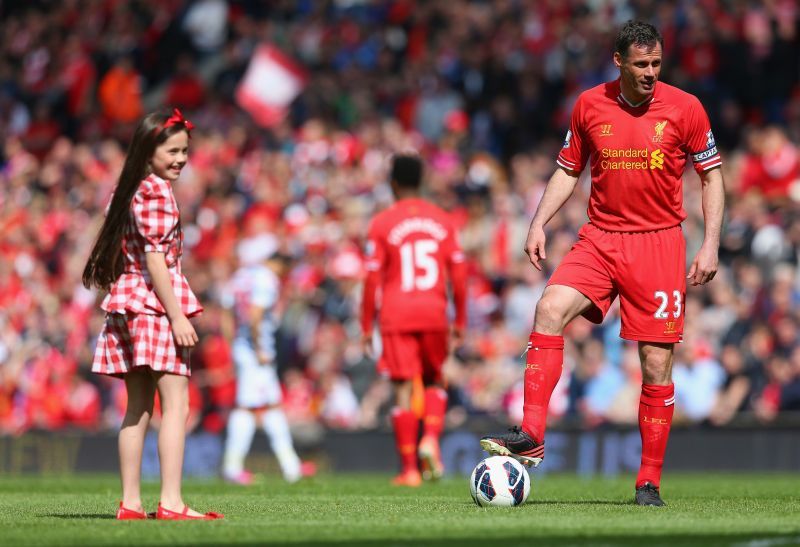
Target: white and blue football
{"type": "Point", "coordinates": [499, 481]}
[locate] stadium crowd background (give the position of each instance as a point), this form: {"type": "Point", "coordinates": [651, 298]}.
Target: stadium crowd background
{"type": "Point", "coordinates": [483, 90]}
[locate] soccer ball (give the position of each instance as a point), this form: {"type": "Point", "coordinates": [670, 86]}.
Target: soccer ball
{"type": "Point", "coordinates": [499, 481]}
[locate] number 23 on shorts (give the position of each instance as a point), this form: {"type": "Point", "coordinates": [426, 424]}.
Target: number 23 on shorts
{"type": "Point", "coordinates": [663, 300]}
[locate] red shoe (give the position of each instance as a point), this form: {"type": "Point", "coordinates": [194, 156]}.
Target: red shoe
{"type": "Point", "coordinates": [123, 513]}
{"type": "Point", "coordinates": [430, 458]}
{"type": "Point", "coordinates": [243, 478]}
{"type": "Point", "coordinates": [308, 469]}
{"type": "Point", "coordinates": [410, 478]}
{"type": "Point", "coordinates": [166, 514]}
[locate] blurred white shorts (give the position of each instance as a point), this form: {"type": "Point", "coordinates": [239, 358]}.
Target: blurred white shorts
{"type": "Point", "coordinates": [256, 385]}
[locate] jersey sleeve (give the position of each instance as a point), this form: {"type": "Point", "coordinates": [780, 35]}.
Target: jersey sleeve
{"type": "Point", "coordinates": [458, 277]}
{"type": "Point", "coordinates": [575, 150]}
{"type": "Point", "coordinates": [452, 248]}
{"type": "Point", "coordinates": [700, 143]}
{"type": "Point", "coordinates": [374, 250]}
{"type": "Point", "coordinates": [156, 215]}
{"type": "Point", "coordinates": [375, 254]}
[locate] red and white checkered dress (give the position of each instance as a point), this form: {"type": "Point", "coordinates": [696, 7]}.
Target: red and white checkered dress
{"type": "Point", "coordinates": [137, 332]}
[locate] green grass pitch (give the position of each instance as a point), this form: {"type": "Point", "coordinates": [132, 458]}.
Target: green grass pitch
{"type": "Point", "coordinates": [733, 509]}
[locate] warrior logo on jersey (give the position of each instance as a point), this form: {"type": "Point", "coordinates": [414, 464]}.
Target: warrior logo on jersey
{"type": "Point", "coordinates": [659, 128]}
{"type": "Point", "coordinates": [567, 139]}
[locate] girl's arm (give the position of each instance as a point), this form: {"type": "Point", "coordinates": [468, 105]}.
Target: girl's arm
{"type": "Point", "coordinates": [182, 329]}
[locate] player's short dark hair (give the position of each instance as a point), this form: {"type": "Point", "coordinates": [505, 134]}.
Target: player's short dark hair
{"type": "Point", "coordinates": [282, 258]}
{"type": "Point", "coordinates": [406, 171]}
{"type": "Point", "coordinates": [636, 33]}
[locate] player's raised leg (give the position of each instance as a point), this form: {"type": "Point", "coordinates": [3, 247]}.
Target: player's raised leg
{"type": "Point", "coordinates": [558, 306]}
{"type": "Point", "coordinates": [656, 407]}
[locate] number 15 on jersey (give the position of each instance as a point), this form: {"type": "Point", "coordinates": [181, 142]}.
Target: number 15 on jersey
{"type": "Point", "coordinates": [419, 269]}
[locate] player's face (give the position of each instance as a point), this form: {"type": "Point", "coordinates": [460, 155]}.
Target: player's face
{"type": "Point", "coordinates": [639, 71]}
{"type": "Point", "coordinates": [170, 156]}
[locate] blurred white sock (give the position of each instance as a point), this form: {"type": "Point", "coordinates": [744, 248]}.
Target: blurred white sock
{"type": "Point", "coordinates": [277, 429]}
{"type": "Point", "coordinates": [241, 428]}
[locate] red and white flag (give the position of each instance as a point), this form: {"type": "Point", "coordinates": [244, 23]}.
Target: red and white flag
{"type": "Point", "coordinates": [269, 86]}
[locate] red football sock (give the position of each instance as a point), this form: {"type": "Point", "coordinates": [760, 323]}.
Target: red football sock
{"type": "Point", "coordinates": [542, 371]}
{"type": "Point", "coordinates": [406, 426]}
{"type": "Point", "coordinates": [435, 407]}
{"type": "Point", "coordinates": [656, 407]}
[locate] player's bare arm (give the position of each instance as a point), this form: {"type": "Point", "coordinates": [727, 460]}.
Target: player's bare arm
{"type": "Point", "coordinates": [367, 312]}
{"type": "Point", "coordinates": [367, 346]}
{"type": "Point", "coordinates": [227, 325]}
{"type": "Point", "coordinates": [558, 191]}
{"type": "Point", "coordinates": [705, 263]}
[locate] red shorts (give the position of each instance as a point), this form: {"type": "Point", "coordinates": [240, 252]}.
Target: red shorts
{"type": "Point", "coordinates": [407, 355]}
{"type": "Point", "coordinates": [646, 269]}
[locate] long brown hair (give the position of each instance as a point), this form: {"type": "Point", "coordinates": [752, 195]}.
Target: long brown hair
{"type": "Point", "coordinates": [106, 262]}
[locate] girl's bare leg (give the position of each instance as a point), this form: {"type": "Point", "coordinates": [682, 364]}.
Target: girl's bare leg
{"type": "Point", "coordinates": [140, 387]}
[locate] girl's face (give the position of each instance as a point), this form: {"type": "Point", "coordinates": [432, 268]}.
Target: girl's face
{"type": "Point", "coordinates": [170, 156]}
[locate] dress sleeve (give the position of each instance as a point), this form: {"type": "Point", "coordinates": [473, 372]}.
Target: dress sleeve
{"type": "Point", "coordinates": [156, 215]}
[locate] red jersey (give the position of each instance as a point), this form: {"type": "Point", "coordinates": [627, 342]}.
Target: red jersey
{"type": "Point", "coordinates": [638, 154]}
{"type": "Point", "coordinates": [411, 251]}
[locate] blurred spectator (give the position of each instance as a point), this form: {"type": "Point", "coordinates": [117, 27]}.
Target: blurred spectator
{"type": "Point", "coordinates": [120, 92]}
{"type": "Point", "coordinates": [772, 165]}
{"type": "Point", "coordinates": [185, 90]}
{"type": "Point", "coordinates": [697, 376]}
{"type": "Point", "coordinates": [206, 21]}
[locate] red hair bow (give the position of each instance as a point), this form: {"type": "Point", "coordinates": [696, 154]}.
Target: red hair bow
{"type": "Point", "coordinates": [177, 118]}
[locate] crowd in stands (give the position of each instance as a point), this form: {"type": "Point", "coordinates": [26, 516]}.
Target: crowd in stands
{"type": "Point", "coordinates": [483, 90]}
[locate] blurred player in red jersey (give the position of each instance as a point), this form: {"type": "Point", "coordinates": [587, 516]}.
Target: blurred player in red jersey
{"type": "Point", "coordinates": [412, 250]}
{"type": "Point", "coordinates": [637, 134]}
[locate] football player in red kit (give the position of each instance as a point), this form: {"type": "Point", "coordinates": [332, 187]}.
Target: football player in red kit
{"type": "Point", "coordinates": [412, 251]}
{"type": "Point", "coordinates": [636, 133]}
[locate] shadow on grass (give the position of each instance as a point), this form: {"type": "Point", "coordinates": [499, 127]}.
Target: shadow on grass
{"type": "Point", "coordinates": [581, 502]}
{"type": "Point", "coordinates": [744, 540]}
{"type": "Point", "coordinates": [571, 502]}
{"type": "Point", "coordinates": [79, 516]}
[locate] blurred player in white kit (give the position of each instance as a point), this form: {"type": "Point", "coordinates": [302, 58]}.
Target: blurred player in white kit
{"type": "Point", "coordinates": [252, 296]}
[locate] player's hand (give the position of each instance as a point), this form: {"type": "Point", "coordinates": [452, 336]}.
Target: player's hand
{"type": "Point", "coordinates": [264, 358]}
{"type": "Point", "coordinates": [704, 266]}
{"type": "Point", "coordinates": [457, 337]}
{"type": "Point", "coordinates": [367, 347]}
{"type": "Point", "coordinates": [183, 331]}
{"type": "Point", "coordinates": [534, 246]}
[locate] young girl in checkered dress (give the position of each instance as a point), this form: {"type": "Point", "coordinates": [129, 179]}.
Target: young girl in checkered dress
{"type": "Point", "coordinates": [147, 334]}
